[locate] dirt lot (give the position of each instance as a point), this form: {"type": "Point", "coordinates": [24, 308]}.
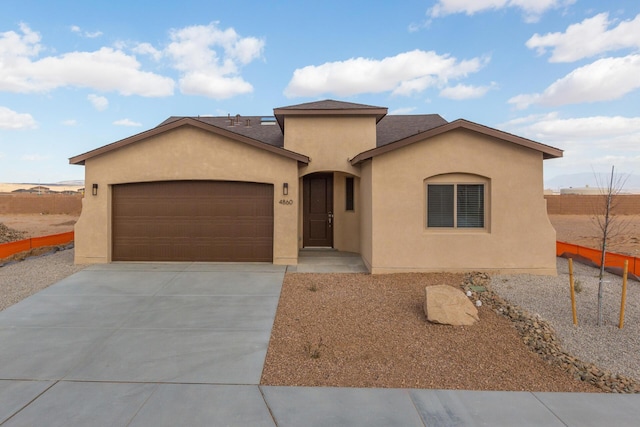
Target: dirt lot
{"type": "Point", "coordinates": [583, 230]}
{"type": "Point", "coordinates": [36, 225]}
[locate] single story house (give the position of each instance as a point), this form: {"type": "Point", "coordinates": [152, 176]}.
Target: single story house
{"type": "Point", "coordinates": [409, 193]}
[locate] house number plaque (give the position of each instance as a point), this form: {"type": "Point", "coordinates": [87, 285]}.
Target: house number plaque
{"type": "Point", "coordinates": [286, 202]}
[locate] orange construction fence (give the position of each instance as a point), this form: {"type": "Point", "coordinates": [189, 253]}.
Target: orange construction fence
{"type": "Point", "coordinates": [11, 248]}
{"type": "Point", "coordinates": [610, 260]}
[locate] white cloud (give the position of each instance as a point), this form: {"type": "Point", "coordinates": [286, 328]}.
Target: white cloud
{"type": "Point", "coordinates": [70, 122]}
{"type": "Point", "coordinates": [406, 110]}
{"type": "Point", "coordinates": [532, 9]}
{"type": "Point", "coordinates": [588, 142]}
{"type": "Point", "coordinates": [12, 120]}
{"type": "Point", "coordinates": [604, 80]}
{"type": "Point", "coordinates": [87, 34]}
{"type": "Point", "coordinates": [588, 38]}
{"type": "Point", "coordinates": [100, 103]}
{"type": "Point", "coordinates": [35, 157]}
{"type": "Point", "coordinates": [461, 91]}
{"type": "Point", "coordinates": [210, 58]}
{"type": "Point", "coordinates": [147, 49]}
{"type": "Point", "coordinates": [127, 122]}
{"type": "Point", "coordinates": [404, 74]}
{"type": "Point", "coordinates": [106, 69]}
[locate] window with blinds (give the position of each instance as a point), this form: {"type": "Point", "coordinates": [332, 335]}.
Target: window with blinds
{"type": "Point", "coordinates": [455, 205]}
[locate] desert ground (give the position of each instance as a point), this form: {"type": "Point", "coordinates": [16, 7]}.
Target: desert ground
{"type": "Point", "coordinates": [35, 225]}
{"type": "Point", "coordinates": [583, 230]}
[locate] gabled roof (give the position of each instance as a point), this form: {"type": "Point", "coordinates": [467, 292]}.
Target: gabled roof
{"type": "Point", "coordinates": [329, 107]}
{"type": "Point", "coordinates": [547, 151]}
{"type": "Point", "coordinates": [174, 123]}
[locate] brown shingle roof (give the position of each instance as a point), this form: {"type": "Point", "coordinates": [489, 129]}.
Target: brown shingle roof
{"type": "Point", "coordinates": [330, 104]}
{"type": "Point", "coordinates": [394, 128]}
{"type": "Point", "coordinates": [329, 107]}
{"type": "Point", "coordinates": [392, 132]}
{"type": "Point", "coordinates": [176, 122]}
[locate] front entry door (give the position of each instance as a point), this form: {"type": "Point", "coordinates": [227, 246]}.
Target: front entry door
{"type": "Point", "coordinates": [318, 210]}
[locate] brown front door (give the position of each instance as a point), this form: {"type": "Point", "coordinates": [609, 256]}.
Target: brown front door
{"type": "Point", "coordinates": [318, 210]}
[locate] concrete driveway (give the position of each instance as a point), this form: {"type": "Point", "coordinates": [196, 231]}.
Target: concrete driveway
{"type": "Point", "coordinates": [141, 344]}
{"type": "Point", "coordinates": [184, 345]}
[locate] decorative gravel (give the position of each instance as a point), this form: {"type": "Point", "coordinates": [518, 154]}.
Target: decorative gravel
{"type": "Point", "coordinates": [607, 346]}
{"type": "Point", "coordinates": [20, 279]}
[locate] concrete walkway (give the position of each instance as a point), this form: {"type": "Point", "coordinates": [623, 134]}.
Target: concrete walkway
{"type": "Point", "coordinates": [184, 344]}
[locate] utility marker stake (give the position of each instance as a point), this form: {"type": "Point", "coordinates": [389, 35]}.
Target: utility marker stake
{"type": "Point", "coordinates": [573, 293]}
{"type": "Point", "coordinates": [624, 293]}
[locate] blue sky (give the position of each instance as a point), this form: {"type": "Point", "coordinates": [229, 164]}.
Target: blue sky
{"type": "Point", "coordinates": [76, 75]}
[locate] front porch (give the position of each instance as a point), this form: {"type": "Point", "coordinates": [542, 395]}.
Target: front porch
{"type": "Point", "coordinates": [327, 260]}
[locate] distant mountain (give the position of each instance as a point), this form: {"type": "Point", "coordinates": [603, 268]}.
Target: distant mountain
{"type": "Point", "coordinates": [578, 180]}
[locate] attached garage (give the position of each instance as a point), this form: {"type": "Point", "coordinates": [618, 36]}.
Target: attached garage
{"type": "Point", "coordinates": [222, 221]}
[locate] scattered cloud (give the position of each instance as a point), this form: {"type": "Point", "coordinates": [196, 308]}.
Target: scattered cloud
{"type": "Point", "coordinates": [35, 157]}
{"type": "Point", "coordinates": [209, 60]}
{"type": "Point", "coordinates": [12, 120]}
{"type": "Point", "coordinates": [106, 69]}
{"type": "Point", "coordinates": [70, 122]}
{"type": "Point", "coordinates": [406, 110]}
{"type": "Point", "coordinates": [532, 9]}
{"type": "Point", "coordinates": [603, 80]}
{"type": "Point", "coordinates": [461, 91]}
{"type": "Point", "coordinates": [588, 38]}
{"type": "Point", "coordinates": [87, 34]}
{"type": "Point", "coordinates": [406, 74]}
{"type": "Point", "coordinates": [100, 103]}
{"type": "Point", "coordinates": [588, 142]}
{"type": "Point", "coordinates": [127, 122]}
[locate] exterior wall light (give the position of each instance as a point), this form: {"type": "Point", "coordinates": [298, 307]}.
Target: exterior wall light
{"type": "Point", "coordinates": [285, 189]}
{"type": "Point", "coordinates": [94, 190]}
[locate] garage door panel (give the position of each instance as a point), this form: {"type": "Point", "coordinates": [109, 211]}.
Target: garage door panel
{"type": "Point", "coordinates": [193, 221]}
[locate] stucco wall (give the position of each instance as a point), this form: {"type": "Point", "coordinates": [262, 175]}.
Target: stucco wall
{"type": "Point", "coordinates": [366, 214]}
{"type": "Point", "coordinates": [346, 228]}
{"type": "Point", "coordinates": [519, 236]}
{"type": "Point", "coordinates": [186, 153]}
{"type": "Point", "coordinates": [330, 142]}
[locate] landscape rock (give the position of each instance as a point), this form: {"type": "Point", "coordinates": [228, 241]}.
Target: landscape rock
{"type": "Point", "coordinates": [449, 306]}
{"type": "Point", "coordinates": [540, 337]}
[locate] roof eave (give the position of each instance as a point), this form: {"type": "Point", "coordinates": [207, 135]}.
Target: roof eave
{"type": "Point", "coordinates": [187, 121]}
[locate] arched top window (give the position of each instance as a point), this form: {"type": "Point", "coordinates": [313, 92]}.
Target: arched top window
{"type": "Point", "coordinates": [457, 201]}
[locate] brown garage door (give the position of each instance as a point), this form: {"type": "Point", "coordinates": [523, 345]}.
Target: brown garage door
{"type": "Point", "coordinates": [193, 221]}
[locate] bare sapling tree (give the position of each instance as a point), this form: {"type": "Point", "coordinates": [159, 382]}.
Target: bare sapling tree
{"type": "Point", "coordinates": [609, 224]}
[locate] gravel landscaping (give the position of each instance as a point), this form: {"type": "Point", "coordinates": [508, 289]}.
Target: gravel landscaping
{"type": "Point", "coordinates": [607, 346]}
{"type": "Point", "coordinates": [20, 279]}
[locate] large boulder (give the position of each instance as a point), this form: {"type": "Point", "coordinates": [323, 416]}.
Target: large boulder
{"type": "Point", "coordinates": [449, 306]}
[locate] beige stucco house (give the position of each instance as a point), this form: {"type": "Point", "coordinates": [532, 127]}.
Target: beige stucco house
{"type": "Point", "coordinates": [408, 193]}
